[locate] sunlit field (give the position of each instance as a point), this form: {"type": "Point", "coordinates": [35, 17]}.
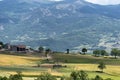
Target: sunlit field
{"type": "Point", "coordinates": [10, 64]}
{"type": "Point", "coordinates": [11, 60]}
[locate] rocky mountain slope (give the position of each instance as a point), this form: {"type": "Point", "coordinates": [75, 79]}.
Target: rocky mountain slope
{"type": "Point", "coordinates": [59, 25]}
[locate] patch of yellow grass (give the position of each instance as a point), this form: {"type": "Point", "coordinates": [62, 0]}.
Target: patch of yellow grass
{"type": "Point", "coordinates": [29, 78]}
{"type": "Point", "coordinates": [26, 73]}
{"type": "Point", "coordinates": [86, 67]}
{"type": "Point", "coordinates": [110, 69]}
{"type": "Point", "coordinates": [114, 70]}
{"type": "Point", "coordinates": [11, 60]}
{"type": "Point", "coordinates": [55, 73]}
{"type": "Point", "coordinates": [6, 73]}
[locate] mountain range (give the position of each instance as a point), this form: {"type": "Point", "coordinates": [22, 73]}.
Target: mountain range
{"type": "Point", "coordinates": [60, 24]}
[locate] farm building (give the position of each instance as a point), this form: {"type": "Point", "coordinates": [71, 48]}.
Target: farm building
{"type": "Point", "coordinates": [18, 48]}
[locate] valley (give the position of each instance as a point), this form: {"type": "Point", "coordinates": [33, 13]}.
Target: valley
{"type": "Point", "coordinates": [88, 63]}
{"type": "Point", "coordinates": [59, 40]}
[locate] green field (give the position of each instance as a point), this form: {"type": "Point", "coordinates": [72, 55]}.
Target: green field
{"type": "Point", "coordinates": [85, 59]}
{"type": "Point", "coordinates": [9, 64]}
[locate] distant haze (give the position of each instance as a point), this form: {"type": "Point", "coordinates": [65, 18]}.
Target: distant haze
{"type": "Point", "coordinates": [105, 2]}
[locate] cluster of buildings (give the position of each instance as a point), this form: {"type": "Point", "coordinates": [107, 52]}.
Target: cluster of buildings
{"type": "Point", "coordinates": [15, 48]}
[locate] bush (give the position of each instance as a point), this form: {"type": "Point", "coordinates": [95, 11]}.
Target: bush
{"type": "Point", "coordinates": [98, 78]}
{"type": "Point", "coordinates": [46, 76]}
{"type": "Point", "coordinates": [17, 76]}
{"type": "Point", "coordinates": [4, 78]}
{"type": "Point", "coordinates": [62, 78]}
{"type": "Point", "coordinates": [79, 75]}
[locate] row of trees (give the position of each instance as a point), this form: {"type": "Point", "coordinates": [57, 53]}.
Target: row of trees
{"type": "Point", "coordinates": [100, 53]}
{"type": "Point", "coordinates": [43, 50]}
{"type": "Point", "coordinates": [84, 50]}
{"type": "Point", "coordinates": [114, 52]}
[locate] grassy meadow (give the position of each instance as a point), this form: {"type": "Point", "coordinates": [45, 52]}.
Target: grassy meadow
{"type": "Point", "coordinates": [9, 64]}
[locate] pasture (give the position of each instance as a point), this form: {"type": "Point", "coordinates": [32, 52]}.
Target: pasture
{"type": "Point", "coordinates": [9, 64]}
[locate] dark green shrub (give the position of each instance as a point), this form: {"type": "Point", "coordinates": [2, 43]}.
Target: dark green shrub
{"type": "Point", "coordinates": [46, 76]}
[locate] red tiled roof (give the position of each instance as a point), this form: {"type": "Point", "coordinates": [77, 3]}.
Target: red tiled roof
{"type": "Point", "coordinates": [21, 46]}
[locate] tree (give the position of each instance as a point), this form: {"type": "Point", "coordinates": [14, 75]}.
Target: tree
{"type": "Point", "coordinates": [98, 78]}
{"type": "Point", "coordinates": [31, 48]}
{"type": "Point", "coordinates": [1, 45]}
{"type": "Point", "coordinates": [41, 49]}
{"type": "Point", "coordinates": [62, 78]}
{"type": "Point", "coordinates": [101, 66]}
{"type": "Point", "coordinates": [103, 52]}
{"type": "Point", "coordinates": [47, 51]}
{"type": "Point", "coordinates": [3, 78]}
{"type": "Point", "coordinates": [74, 75]}
{"type": "Point", "coordinates": [83, 75]}
{"type": "Point", "coordinates": [96, 52]}
{"type": "Point", "coordinates": [79, 75]}
{"type": "Point", "coordinates": [84, 50]}
{"type": "Point", "coordinates": [115, 52]}
{"type": "Point", "coordinates": [67, 51]}
{"type": "Point", "coordinates": [46, 76]}
{"type": "Point", "coordinates": [17, 76]}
